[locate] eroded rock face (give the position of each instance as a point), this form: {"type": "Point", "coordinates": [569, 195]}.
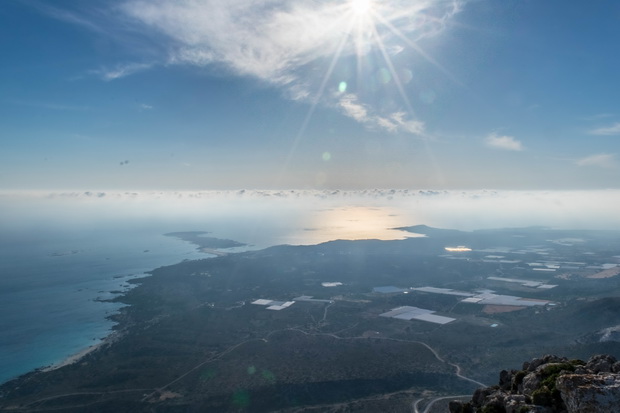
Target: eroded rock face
{"type": "Point", "coordinates": [531, 382]}
{"type": "Point", "coordinates": [589, 393]}
{"type": "Point", "coordinates": [552, 384]}
{"type": "Point", "coordinates": [601, 363]}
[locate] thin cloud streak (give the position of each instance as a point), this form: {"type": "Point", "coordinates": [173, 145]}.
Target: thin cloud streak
{"type": "Point", "coordinates": [415, 127]}
{"type": "Point", "coordinates": [393, 122]}
{"type": "Point", "coordinates": [598, 116]}
{"type": "Point", "coordinates": [121, 71]}
{"type": "Point", "coordinates": [67, 16]}
{"type": "Point", "coordinates": [48, 105]}
{"type": "Point", "coordinates": [601, 160]}
{"type": "Point", "coordinates": [353, 109]}
{"type": "Point", "coordinates": [507, 143]}
{"type": "Point", "coordinates": [607, 130]}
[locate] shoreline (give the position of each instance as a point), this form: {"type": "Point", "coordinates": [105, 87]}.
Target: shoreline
{"type": "Point", "coordinates": [110, 339]}
{"type": "Point", "coordinates": [93, 281]}
{"type": "Point", "coordinates": [115, 335]}
{"type": "Point", "coordinates": [74, 358]}
{"type": "Point", "coordinates": [213, 252]}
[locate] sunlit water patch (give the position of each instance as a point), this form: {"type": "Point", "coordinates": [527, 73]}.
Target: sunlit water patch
{"type": "Point", "coordinates": [61, 252]}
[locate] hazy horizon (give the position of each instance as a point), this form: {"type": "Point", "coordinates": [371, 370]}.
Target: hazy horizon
{"type": "Point", "coordinates": [343, 214]}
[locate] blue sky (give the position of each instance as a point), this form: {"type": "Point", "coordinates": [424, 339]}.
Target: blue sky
{"type": "Point", "coordinates": [352, 94]}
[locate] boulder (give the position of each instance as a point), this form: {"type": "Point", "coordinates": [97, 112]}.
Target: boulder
{"type": "Point", "coordinates": [601, 363]}
{"type": "Point", "coordinates": [590, 393]}
{"type": "Point", "coordinates": [505, 379]}
{"type": "Point", "coordinates": [531, 382]}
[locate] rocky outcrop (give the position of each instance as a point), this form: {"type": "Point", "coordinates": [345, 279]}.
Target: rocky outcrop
{"type": "Point", "coordinates": [551, 384]}
{"type": "Point", "coordinates": [590, 392]}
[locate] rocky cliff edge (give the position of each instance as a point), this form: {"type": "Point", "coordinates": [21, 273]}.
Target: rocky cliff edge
{"type": "Point", "coordinates": [551, 384]}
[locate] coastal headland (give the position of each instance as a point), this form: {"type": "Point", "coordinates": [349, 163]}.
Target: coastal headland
{"type": "Point", "coordinates": [367, 325]}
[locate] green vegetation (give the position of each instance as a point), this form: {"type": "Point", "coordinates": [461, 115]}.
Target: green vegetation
{"type": "Point", "coordinates": [190, 338]}
{"type": "Point", "coordinates": [543, 396]}
{"type": "Point", "coordinates": [518, 379]}
{"type": "Point", "coordinates": [198, 238]}
{"type": "Point", "coordinates": [493, 409]}
{"type": "Point", "coordinates": [550, 374]}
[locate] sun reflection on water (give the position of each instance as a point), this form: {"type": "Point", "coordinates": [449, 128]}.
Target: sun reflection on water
{"type": "Point", "coordinates": [355, 223]}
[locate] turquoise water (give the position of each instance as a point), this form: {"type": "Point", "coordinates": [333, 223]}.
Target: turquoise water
{"type": "Point", "coordinates": [61, 254]}
{"type": "Point", "coordinates": [51, 287]}
{"type": "Point", "coordinates": [59, 259]}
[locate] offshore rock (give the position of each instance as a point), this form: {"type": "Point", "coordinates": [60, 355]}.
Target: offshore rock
{"type": "Point", "coordinates": [551, 384]}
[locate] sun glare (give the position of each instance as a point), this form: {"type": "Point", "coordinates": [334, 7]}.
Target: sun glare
{"type": "Point", "coordinates": [361, 7]}
{"type": "Point", "coordinates": [354, 222]}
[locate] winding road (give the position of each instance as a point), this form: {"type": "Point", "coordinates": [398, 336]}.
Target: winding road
{"type": "Point", "coordinates": [429, 406]}
{"type": "Point", "coordinates": [154, 392]}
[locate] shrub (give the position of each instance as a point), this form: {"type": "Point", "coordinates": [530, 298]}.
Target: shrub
{"type": "Point", "coordinates": [517, 380]}
{"type": "Point", "coordinates": [493, 408]}
{"type": "Point", "coordinates": [543, 397]}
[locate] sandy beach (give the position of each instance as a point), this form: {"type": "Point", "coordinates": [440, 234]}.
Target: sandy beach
{"type": "Point", "coordinates": [73, 359]}
{"type": "Point", "coordinates": [113, 337]}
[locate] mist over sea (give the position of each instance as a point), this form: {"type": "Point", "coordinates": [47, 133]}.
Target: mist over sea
{"type": "Point", "coordinates": [62, 253]}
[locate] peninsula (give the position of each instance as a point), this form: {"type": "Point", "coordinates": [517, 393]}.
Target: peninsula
{"type": "Point", "coordinates": [345, 325]}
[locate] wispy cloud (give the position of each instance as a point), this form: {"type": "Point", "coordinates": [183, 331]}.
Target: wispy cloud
{"type": "Point", "coordinates": [289, 43]}
{"type": "Point", "coordinates": [72, 17]}
{"type": "Point", "coordinates": [598, 116]}
{"type": "Point", "coordinates": [271, 39]}
{"type": "Point", "coordinates": [121, 71]}
{"type": "Point", "coordinates": [285, 43]}
{"type": "Point", "coordinates": [392, 122]}
{"type": "Point", "coordinates": [408, 125]}
{"type": "Point", "coordinates": [353, 109]}
{"type": "Point", "coordinates": [48, 105]}
{"type": "Point", "coordinates": [601, 160]}
{"type": "Point", "coordinates": [607, 130]}
{"type": "Point", "coordinates": [504, 142]}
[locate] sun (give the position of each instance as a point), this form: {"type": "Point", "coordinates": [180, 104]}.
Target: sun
{"type": "Point", "coordinates": [361, 7]}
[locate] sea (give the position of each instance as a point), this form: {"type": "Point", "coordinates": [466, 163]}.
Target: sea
{"type": "Point", "coordinates": [64, 255]}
